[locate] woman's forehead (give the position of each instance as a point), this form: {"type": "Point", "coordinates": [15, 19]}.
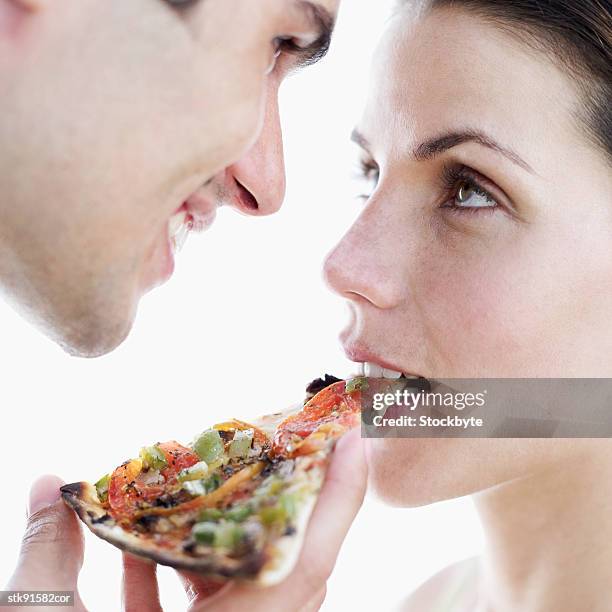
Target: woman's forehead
{"type": "Point", "coordinates": [448, 69]}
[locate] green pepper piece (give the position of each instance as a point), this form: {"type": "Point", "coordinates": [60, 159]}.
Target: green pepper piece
{"type": "Point", "coordinates": [153, 458]}
{"type": "Point", "coordinates": [273, 515]}
{"type": "Point", "coordinates": [205, 533]}
{"type": "Point", "coordinates": [241, 444]}
{"type": "Point", "coordinates": [210, 515]}
{"type": "Point", "coordinates": [288, 505]}
{"type": "Point", "coordinates": [195, 472]}
{"type": "Point", "coordinates": [212, 483]}
{"type": "Point", "coordinates": [228, 535]}
{"type": "Point", "coordinates": [209, 446]}
{"type": "Point", "coordinates": [238, 514]}
{"type": "Point", "coordinates": [356, 384]}
{"type": "Point", "coordinates": [271, 486]}
{"type": "Point", "coordinates": [102, 487]}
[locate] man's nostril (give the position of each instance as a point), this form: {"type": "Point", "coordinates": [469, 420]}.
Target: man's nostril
{"type": "Point", "coordinates": [246, 197]}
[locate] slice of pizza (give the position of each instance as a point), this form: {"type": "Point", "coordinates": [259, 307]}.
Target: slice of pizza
{"type": "Point", "coordinates": [233, 504]}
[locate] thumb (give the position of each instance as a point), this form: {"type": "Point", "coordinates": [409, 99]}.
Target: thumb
{"type": "Point", "coordinates": [52, 547]}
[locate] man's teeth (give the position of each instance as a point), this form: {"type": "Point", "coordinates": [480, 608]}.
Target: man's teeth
{"type": "Point", "coordinates": [178, 229]}
{"type": "Point", "coordinates": [373, 370]}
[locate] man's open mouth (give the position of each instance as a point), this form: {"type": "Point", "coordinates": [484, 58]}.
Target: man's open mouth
{"type": "Point", "coordinates": [196, 214]}
{"type": "Point", "coordinates": [179, 226]}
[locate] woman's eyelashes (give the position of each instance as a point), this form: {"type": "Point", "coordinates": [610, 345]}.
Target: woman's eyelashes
{"type": "Point", "coordinates": [463, 190]}
{"type": "Point", "coordinates": [466, 191]}
{"type": "Point", "coordinates": [368, 174]}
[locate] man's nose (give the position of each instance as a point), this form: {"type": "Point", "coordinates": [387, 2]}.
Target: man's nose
{"type": "Point", "coordinates": [260, 174]}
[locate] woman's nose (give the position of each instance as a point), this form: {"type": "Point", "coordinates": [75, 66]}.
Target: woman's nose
{"type": "Point", "coordinates": [260, 174]}
{"type": "Point", "coordinates": [366, 263]}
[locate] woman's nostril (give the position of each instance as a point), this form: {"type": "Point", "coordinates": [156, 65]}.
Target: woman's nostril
{"type": "Point", "coordinates": [246, 197]}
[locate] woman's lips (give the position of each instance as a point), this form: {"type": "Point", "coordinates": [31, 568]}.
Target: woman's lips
{"type": "Point", "coordinates": [373, 366]}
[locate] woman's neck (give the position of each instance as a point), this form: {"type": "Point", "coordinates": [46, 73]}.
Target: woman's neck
{"type": "Point", "coordinates": [548, 536]}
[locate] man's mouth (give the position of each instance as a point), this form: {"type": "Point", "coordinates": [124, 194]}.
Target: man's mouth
{"type": "Point", "coordinates": [179, 226]}
{"type": "Point", "coordinates": [196, 214]}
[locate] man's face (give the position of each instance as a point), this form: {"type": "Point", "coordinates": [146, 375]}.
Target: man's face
{"type": "Point", "coordinates": [122, 121]}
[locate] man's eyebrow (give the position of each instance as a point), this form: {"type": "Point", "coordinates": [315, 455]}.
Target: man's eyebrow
{"type": "Point", "coordinates": [323, 23]}
{"type": "Point", "coordinates": [436, 146]}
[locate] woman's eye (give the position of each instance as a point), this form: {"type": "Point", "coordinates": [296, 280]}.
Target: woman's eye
{"type": "Point", "coordinates": [470, 196]}
{"type": "Point", "coordinates": [368, 174]}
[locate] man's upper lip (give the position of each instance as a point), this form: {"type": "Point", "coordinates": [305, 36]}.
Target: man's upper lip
{"type": "Point", "coordinates": [361, 355]}
{"type": "Point", "coordinates": [199, 204]}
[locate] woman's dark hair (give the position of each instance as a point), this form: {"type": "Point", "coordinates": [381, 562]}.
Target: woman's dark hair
{"type": "Point", "coordinates": [577, 34]}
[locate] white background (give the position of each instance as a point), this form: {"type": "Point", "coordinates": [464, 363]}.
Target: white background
{"type": "Point", "coordinates": [243, 325]}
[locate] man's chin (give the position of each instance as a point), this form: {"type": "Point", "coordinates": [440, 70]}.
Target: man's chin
{"type": "Point", "coordinates": [89, 348]}
{"type": "Point", "coordinates": [90, 336]}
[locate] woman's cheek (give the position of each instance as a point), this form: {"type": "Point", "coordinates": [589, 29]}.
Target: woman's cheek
{"type": "Point", "coordinates": [475, 318]}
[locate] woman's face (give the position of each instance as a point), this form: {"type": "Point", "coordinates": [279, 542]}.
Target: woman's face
{"type": "Point", "coordinates": [484, 247]}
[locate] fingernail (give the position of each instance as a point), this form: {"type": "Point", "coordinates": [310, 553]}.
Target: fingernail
{"type": "Point", "coordinates": [44, 492]}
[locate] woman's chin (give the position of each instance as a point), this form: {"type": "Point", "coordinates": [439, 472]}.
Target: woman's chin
{"type": "Point", "coordinates": [412, 472]}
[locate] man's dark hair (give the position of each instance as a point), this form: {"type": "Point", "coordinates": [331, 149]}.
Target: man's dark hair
{"type": "Point", "coordinates": [577, 34]}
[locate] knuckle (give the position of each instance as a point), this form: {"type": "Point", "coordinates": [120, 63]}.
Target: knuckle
{"type": "Point", "coordinates": [316, 572]}
{"type": "Point", "coordinates": [42, 528]}
{"type": "Point", "coordinates": [316, 601]}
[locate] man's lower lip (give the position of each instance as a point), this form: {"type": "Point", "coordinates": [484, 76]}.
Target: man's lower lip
{"type": "Point", "coordinates": [160, 264]}
{"type": "Point", "coordinates": [169, 263]}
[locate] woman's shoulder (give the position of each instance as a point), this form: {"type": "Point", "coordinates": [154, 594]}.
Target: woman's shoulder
{"type": "Point", "coordinates": [453, 589]}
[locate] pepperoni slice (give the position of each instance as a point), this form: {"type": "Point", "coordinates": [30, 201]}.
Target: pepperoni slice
{"type": "Point", "coordinates": [332, 405]}
{"type": "Point", "coordinates": [130, 487]}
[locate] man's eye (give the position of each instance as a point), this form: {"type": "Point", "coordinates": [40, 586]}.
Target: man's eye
{"type": "Point", "coordinates": [279, 44]}
{"type": "Point", "coordinates": [469, 195]}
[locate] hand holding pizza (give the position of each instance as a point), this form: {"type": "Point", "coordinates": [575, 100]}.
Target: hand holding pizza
{"type": "Point", "coordinates": [305, 588]}
{"type": "Point", "coordinates": [52, 548]}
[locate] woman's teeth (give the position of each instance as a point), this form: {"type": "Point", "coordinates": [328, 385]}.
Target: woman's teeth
{"type": "Point", "coordinates": [179, 226]}
{"type": "Point", "coordinates": [373, 370]}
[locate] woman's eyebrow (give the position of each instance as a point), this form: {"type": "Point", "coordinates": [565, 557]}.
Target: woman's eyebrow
{"type": "Point", "coordinates": [359, 139]}
{"type": "Point", "coordinates": [439, 144]}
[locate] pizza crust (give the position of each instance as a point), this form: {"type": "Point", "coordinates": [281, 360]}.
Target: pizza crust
{"type": "Point", "coordinates": [266, 568]}
{"type": "Point", "coordinates": [82, 497]}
